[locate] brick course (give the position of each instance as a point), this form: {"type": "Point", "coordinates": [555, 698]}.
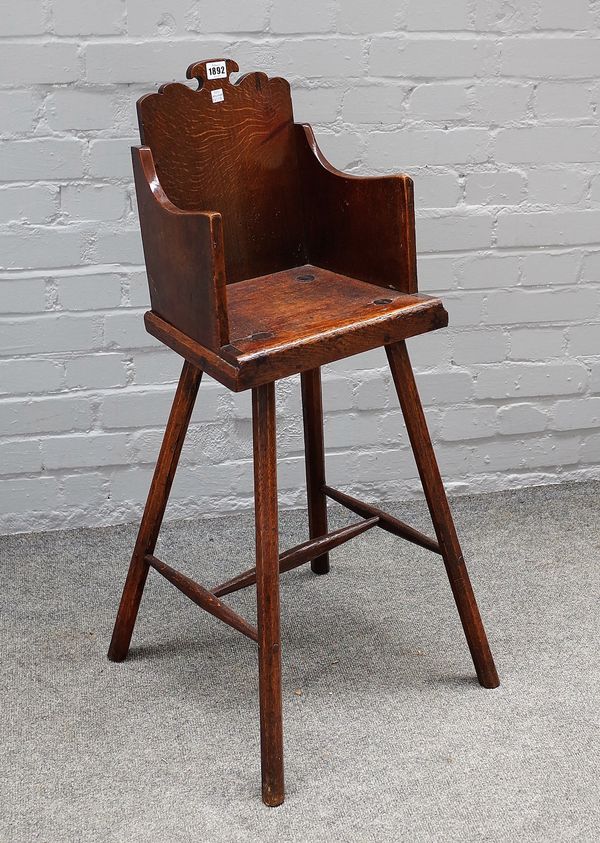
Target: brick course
{"type": "Point", "coordinates": [491, 106]}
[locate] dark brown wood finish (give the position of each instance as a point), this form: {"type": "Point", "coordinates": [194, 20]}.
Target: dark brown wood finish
{"type": "Point", "coordinates": [299, 555]}
{"type": "Point", "coordinates": [267, 593]}
{"type": "Point", "coordinates": [184, 259]}
{"type": "Point", "coordinates": [203, 597]}
{"type": "Point", "coordinates": [280, 325]}
{"type": "Point", "coordinates": [266, 261]}
{"type": "Point", "coordinates": [295, 216]}
{"type": "Point", "coordinates": [356, 225]}
{"type": "Point", "coordinates": [441, 516]}
{"type": "Point", "coordinates": [236, 157]}
{"type": "Point", "coordinates": [385, 521]}
{"type": "Point", "coordinates": [314, 456]}
{"type": "Point", "coordinates": [158, 496]}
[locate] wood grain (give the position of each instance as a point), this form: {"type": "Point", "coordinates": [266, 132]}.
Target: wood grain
{"type": "Point", "coordinates": [356, 225]}
{"type": "Point", "coordinates": [203, 597]}
{"type": "Point", "coordinates": [441, 516]}
{"type": "Point", "coordinates": [385, 520]}
{"type": "Point", "coordinates": [282, 328]}
{"type": "Point", "coordinates": [184, 259]}
{"type": "Point", "coordinates": [299, 555]}
{"type": "Point", "coordinates": [266, 261]}
{"type": "Point", "coordinates": [158, 496]}
{"type": "Point", "coordinates": [314, 459]}
{"type": "Point", "coordinates": [267, 593]}
{"type": "Point", "coordinates": [237, 158]}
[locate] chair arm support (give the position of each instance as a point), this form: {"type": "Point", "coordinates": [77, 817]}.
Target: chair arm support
{"type": "Point", "coordinates": [184, 259]}
{"type": "Point", "coordinates": [356, 225]}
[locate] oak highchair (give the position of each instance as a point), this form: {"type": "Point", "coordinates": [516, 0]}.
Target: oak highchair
{"type": "Point", "coordinates": [265, 261]}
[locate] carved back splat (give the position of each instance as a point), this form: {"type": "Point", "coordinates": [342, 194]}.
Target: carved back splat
{"type": "Point", "coordinates": [235, 155]}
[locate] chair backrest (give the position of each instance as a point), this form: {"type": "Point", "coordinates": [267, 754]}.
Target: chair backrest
{"type": "Point", "coordinates": [231, 148]}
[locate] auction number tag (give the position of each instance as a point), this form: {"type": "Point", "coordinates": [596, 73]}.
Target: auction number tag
{"type": "Point", "coordinates": [216, 70]}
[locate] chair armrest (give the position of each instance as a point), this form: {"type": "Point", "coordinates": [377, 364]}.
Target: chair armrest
{"type": "Point", "coordinates": [356, 225]}
{"type": "Point", "coordinates": [184, 259]}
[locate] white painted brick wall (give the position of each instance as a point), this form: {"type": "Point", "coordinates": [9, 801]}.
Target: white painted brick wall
{"type": "Point", "coordinates": [491, 105]}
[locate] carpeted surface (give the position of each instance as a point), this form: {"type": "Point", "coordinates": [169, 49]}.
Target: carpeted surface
{"type": "Point", "coordinates": [388, 736]}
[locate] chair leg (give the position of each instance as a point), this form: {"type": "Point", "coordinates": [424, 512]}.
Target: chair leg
{"type": "Point", "coordinates": [267, 593]}
{"type": "Point", "coordinates": [314, 455]}
{"type": "Point", "coordinates": [440, 514]}
{"type": "Point", "coordinates": [162, 480]}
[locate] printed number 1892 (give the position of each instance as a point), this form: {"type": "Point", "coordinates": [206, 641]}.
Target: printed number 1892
{"type": "Point", "coordinates": [216, 69]}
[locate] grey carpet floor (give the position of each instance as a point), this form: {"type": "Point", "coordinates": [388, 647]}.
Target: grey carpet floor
{"type": "Point", "coordinates": [388, 736]}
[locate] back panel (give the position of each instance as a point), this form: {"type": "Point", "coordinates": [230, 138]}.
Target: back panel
{"type": "Point", "coordinates": [231, 148]}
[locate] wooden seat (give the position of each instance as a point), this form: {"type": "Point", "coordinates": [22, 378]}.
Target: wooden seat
{"type": "Point", "coordinates": [265, 261]}
{"type": "Point", "coordinates": [308, 316]}
{"type": "Point", "coordinates": [306, 305]}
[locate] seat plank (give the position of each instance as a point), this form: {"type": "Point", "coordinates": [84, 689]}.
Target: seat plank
{"type": "Point", "coordinates": [281, 324]}
{"type": "Point", "coordinates": [304, 302]}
